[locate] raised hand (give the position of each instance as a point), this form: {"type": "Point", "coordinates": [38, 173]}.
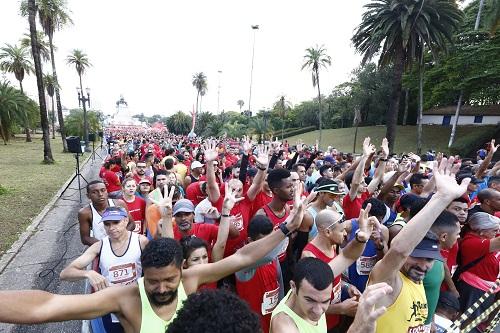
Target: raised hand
{"type": "Point", "coordinates": [404, 166]}
{"type": "Point", "coordinates": [230, 199]}
{"type": "Point", "coordinates": [365, 224]}
{"type": "Point", "coordinates": [414, 157]}
{"type": "Point", "coordinates": [164, 204]}
{"type": "Point", "coordinates": [493, 148]}
{"type": "Point", "coordinates": [246, 145]}
{"type": "Point", "coordinates": [211, 153]}
{"type": "Point", "coordinates": [446, 184]}
{"type": "Point", "coordinates": [368, 148]}
{"type": "Point", "coordinates": [385, 148]}
{"type": "Point", "coordinates": [300, 146]}
{"type": "Point", "coordinates": [276, 145]}
{"type": "Point", "coordinates": [262, 159]}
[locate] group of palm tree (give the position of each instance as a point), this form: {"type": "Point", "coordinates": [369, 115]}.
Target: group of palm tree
{"type": "Point", "coordinates": [26, 58]}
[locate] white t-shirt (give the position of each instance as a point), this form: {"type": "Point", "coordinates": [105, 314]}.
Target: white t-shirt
{"type": "Point", "coordinates": [200, 215]}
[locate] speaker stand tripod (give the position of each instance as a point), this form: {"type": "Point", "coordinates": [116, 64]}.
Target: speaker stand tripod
{"type": "Point", "coordinates": [94, 153]}
{"type": "Point", "coordinates": [77, 175]}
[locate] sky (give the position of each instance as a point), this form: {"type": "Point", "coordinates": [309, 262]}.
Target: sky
{"type": "Point", "coordinates": [149, 50]}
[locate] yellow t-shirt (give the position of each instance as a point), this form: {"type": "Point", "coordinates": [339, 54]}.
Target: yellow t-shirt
{"type": "Point", "coordinates": [408, 313]}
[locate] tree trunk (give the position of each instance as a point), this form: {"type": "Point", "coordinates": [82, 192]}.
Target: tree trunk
{"type": "Point", "coordinates": [392, 114]}
{"type": "Point", "coordinates": [420, 102]}
{"type": "Point", "coordinates": [320, 117]}
{"type": "Point", "coordinates": [407, 97]}
{"type": "Point", "coordinates": [60, 118]}
{"type": "Point", "coordinates": [197, 95]}
{"type": "Point", "coordinates": [3, 134]}
{"type": "Point", "coordinates": [355, 138]}
{"type": "Point", "coordinates": [85, 121]}
{"type": "Point", "coordinates": [53, 118]}
{"type": "Point", "coordinates": [478, 17]}
{"type": "Point", "coordinates": [455, 122]}
{"type": "Point", "coordinates": [47, 152]}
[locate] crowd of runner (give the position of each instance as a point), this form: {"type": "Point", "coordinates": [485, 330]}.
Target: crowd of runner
{"type": "Point", "coordinates": [229, 235]}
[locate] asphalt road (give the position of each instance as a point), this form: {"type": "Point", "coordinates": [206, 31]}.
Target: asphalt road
{"type": "Point", "coordinates": [53, 245]}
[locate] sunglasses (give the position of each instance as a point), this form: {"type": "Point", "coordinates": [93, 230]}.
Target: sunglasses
{"type": "Point", "coordinates": [340, 220]}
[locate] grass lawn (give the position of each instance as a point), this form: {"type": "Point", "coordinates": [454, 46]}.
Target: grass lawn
{"type": "Point", "coordinates": [29, 184]}
{"type": "Point", "coordinates": [433, 137]}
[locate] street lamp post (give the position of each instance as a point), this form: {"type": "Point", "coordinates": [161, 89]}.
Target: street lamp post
{"type": "Point", "coordinates": [254, 28]}
{"type": "Point", "coordinates": [82, 100]}
{"type": "Point", "coordinates": [218, 93]}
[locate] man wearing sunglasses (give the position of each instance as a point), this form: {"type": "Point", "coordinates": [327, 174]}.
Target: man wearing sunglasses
{"type": "Point", "coordinates": [331, 234]}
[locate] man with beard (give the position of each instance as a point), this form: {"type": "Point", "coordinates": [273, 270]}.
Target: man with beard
{"type": "Point", "coordinates": [152, 304]}
{"type": "Point", "coordinates": [411, 256]}
{"type": "Point", "coordinates": [140, 172]}
{"type": "Point", "coordinates": [89, 217]}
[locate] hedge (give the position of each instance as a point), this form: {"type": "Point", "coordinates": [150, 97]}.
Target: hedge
{"type": "Point", "coordinates": [298, 131]}
{"type": "Point", "coordinates": [468, 145]}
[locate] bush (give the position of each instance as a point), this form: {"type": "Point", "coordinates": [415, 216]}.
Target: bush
{"type": "Point", "coordinates": [468, 145]}
{"type": "Point", "coordinates": [4, 190]}
{"type": "Point", "coordinates": [298, 131]}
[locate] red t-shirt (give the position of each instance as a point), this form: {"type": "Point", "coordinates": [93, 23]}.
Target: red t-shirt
{"type": "Point", "coordinates": [137, 210]}
{"type": "Point", "coordinates": [261, 292]}
{"type": "Point", "coordinates": [260, 201]}
{"type": "Point", "coordinates": [111, 181]}
{"type": "Point", "coordinates": [473, 247]}
{"type": "Point", "coordinates": [332, 320]}
{"type": "Point", "coordinates": [240, 218]}
{"type": "Point", "coordinates": [207, 232]}
{"type": "Point", "coordinates": [193, 193]}
{"type": "Point", "coordinates": [352, 208]}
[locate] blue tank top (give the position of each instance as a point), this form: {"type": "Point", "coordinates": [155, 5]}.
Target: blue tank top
{"type": "Point", "coordinates": [360, 270]}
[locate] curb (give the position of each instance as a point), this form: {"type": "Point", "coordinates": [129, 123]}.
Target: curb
{"type": "Point", "coordinates": [11, 253]}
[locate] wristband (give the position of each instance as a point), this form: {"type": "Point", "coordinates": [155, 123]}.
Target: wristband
{"type": "Point", "coordinates": [225, 215]}
{"type": "Point", "coordinates": [383, 159]}
{"type": "Point", "coordinates": [284, 229]}
{"type": "Point", "coordinates": [262, 169]}
{"type": "Point", "coordinates": [357, 239]}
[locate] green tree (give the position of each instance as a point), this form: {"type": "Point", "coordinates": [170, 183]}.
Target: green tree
{"type": "Point", "coordinates": [74, 122]}
{"type": "Point", "coordinates": [54, 15]}
{"type": "Point", "coordinates": [14, 106]}
{"type": "Point", "coordinates": [240, 103]}
{"type": "Point", "coordinates": [50, 85]}
{"type": "Point", "coordinates": [81, 62]}
{"type": "Point", "coordinates": [204, 119]}
{"type": "Point", "coordinates": [282, 106]}
{"type": "Point", "coordinates": [260, 127]}
{"type": "Point", "coordinates": [179, 123]}
{"type": "Point", "coordinates": [315, 59]}
{"type": "Point", "coordinates": [200, 84]}
{"type": "Point", "coordinates": [15, 59]}
{"type": "Point", "coordinates": [47, 151]}
{"type": "Point", "coordinates": [397, 31]}
{"type": "Point", "coordinates": [43, 45]}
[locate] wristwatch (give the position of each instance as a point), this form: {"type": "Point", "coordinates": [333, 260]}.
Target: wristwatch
{"type": "Point", "coordinates": [284, 229]}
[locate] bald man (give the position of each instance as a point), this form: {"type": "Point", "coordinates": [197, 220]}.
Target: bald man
{"type": "Point", "coordinates": [331, 232]}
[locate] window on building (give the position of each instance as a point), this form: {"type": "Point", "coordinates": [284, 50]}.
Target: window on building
{"type": "Point", "coordinates": [478, 119]}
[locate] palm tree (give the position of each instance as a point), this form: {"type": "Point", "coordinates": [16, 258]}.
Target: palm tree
{"type": "Point", "coordinates": [15, 59]}
{"type": "Point", "coordinates": [54, 15]}
{"type": "Point", "coordinates": [314, 59]}
{"type": "Point", "coordinates": [47, 151]}
{"type": "Point", "coordinates": [260, 127]}
{"type": "Point", "coordinates": [50, 85]}
{"type": "Point", "coordinates": [43, 45]}
{"type": "Point", "coordinates": [81, 61]}
{"type": "Point", "coordinates": [397, 30]}
{"type": "Point", "coordinates": [200, 84]}
{"type": "Point", "coordinates": [13, 106]}
{"type": "Point", "coordinates": [240, 103]}
{"type": "Point", "coordinates": [282, 105]}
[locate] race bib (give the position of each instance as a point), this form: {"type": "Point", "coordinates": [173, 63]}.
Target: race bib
{"type": "Point", "coordinates": [137, 228]}
{"type": "Point", "coordinates": [122, 274]}
{"type": "Point", "coordinates": [364, 265]}
{"type": "Point", "coordinates": [237, 221]}
{"type": "Point", "coordinates": [420, 329]}
{"type": "Point", "coordinates": [337, 294]}
{"type": "Point", "coordinates": [269, 301]}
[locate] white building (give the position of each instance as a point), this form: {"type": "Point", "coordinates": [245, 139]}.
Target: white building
{"type": "Point", "coordinates": [469, 115]}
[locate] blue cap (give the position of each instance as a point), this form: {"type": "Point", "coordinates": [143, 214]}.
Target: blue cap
{"type": "Point", "coordinates": [113, 214]}
{"type": "Point", "coordinates": [428, 248]}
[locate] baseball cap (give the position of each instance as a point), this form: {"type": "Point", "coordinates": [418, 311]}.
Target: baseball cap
{"type": "Point", "coordinates": [473, 179]}
{"type": "Point", "coordinates": [180, 157]}
{"type": "Point", "coordinates": [113, 214]}
{"type": "Point", "coordinates": [427, 248]}
{"type": "Point", "coordinates": [196, 164]}
{"type": "Point", "coordinates": [145, 180]}
{"type": "Point", "coordinates": [183, 206]}
{"type": "Point", "coordinates": [332, 188]}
